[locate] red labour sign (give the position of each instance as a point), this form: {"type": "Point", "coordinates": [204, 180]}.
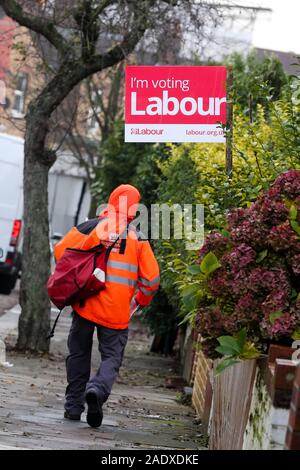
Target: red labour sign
{"type": "Point", "coordinates": [175, 104]}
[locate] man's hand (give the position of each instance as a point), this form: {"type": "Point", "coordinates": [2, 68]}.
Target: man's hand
{"type": "Point", "coordinates": [134, 307]}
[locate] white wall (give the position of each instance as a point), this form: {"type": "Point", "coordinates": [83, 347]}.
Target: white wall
{"type": "Point", "coordinates": [266, 428]}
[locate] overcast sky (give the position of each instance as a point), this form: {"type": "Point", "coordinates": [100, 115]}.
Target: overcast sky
{"type": "Point", "coordinates": [279, 30]}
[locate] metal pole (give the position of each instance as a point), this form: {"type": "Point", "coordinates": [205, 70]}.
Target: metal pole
{"type": "Point", "coordinates": [229, 133]}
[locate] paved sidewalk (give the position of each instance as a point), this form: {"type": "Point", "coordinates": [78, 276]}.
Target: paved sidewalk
{"type": "Point", "coordinates": [140, 414]}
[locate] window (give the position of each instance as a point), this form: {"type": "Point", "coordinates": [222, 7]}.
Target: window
{"type": "Point", "coordinates": [20, 92]}
{"type": "Point", "coordinates": [50, 6]}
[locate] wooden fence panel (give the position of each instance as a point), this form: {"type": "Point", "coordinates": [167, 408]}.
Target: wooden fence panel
{"type": "Point", "coordinates": [232, 392]}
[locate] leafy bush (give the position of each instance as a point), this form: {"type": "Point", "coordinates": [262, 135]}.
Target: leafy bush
{"type": "Point", "coordinates": [253, 281]}
{"type": "Point", "coordinates": [195, 173]}
{"type": "Point", "coordinates": [256, 82]}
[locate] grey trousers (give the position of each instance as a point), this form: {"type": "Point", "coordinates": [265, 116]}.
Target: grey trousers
{"type": "Point", "coordinates": [78, 363]}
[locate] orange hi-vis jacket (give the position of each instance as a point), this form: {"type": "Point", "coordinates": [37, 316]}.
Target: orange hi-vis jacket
{"type": "Point", "coordinates": [132, 269]}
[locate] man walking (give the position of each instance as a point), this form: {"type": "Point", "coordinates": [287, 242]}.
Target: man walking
{"type": "Point", "coordinates": [132, 279]}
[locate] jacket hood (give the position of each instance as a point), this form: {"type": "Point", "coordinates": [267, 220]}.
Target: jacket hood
{"type": "Point", "coordinates": [124, 200]}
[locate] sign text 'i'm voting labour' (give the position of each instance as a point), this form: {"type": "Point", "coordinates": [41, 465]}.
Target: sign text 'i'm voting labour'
{"type": "Point", "coordinates": [175, 104]}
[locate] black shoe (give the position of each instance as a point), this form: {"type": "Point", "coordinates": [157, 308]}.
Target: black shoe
{"type": "Point", "coordinates": [94, 415]}
{"type": "Point", "coordinates": [72, 417]}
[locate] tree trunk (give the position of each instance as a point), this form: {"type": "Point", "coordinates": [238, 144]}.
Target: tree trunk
{"type": "Point", "coordinates": [34, 322]}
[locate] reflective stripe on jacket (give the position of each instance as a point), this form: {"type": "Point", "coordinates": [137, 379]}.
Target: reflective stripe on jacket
{"type": "Point", "coordinates": [148, 274]}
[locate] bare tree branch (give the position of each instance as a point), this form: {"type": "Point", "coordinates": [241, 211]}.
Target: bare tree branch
{"type": "Point", "coordinates": [36, 23]}
{"type": "Point", "coordinates": [113, 99]}
{"type": "Point", "coordinates": [92, 88]}
{"type": "Point", "coordinates": [117, 53]}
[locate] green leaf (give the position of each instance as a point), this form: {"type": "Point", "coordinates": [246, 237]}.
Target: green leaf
{"type": "Point", "coordinates": [231, 343]}
{"type": "Point", "coordinates": [294, 294]}
{"type": "Point", "coordinates": [192, 301]}
{"type": "Point", "coordinates": [188, 302]}
{"type": "Point", "coordinates": [224, 364]}
{"type": "Point", "coordinates": [274, 316]}
{"type": "Point", "coordinates": [194, 269]}
{"type": "Point", "coordinates": [295, 226]}
{"type": "Point", "coordinates": [293, 213]}
{"type": "Point", "coordinates": [191, 296]}
{"type": "Point", "coordinates": [225, 233]}
{"type": "Point", "coordinates": [186, 319]}
{"type": "Point", "coordinates": [261, 256]}
{"type": "Point", "coordinates": [250, 352]}
{"type": "Point", "coordinates": [296, 334]}
{"type": "Point", "coordinates": [190, 289]}
{"type": "Point", "coordinates": [226, 350]}
{"type": "Point", "coordinates": [209, 264]}
{"type": "Point", "coordinates": [241, 338]}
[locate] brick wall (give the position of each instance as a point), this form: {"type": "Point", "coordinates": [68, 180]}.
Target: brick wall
{"type": "Point", "coordinates": [293, 432]}
{"type": "Point", "coordinates": [201, 368]}
{"type": "Point", "coordinates": [28, 59]}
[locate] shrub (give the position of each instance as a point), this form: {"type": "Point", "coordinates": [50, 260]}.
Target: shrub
{"type": "Point", "coordinates": [255, 285]}
{"type": "Point", "coordinates": [195, 173]}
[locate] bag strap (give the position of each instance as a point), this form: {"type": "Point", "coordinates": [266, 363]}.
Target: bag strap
{"type": "Point", "coordinates": [54, 326]}
{"type": "Point", "coordinates": [109, 249]}
{"type": "Point", "coordinates": [123, 242]}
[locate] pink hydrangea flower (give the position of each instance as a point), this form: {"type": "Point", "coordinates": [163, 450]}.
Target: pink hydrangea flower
{"type": "Point", "coordinates": [259, 275]}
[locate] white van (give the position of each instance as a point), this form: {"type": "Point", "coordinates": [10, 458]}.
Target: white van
{"type": "Point", "coordinates": [69, 201]}
{"type": "Point", "coordinates": [11, 208]}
